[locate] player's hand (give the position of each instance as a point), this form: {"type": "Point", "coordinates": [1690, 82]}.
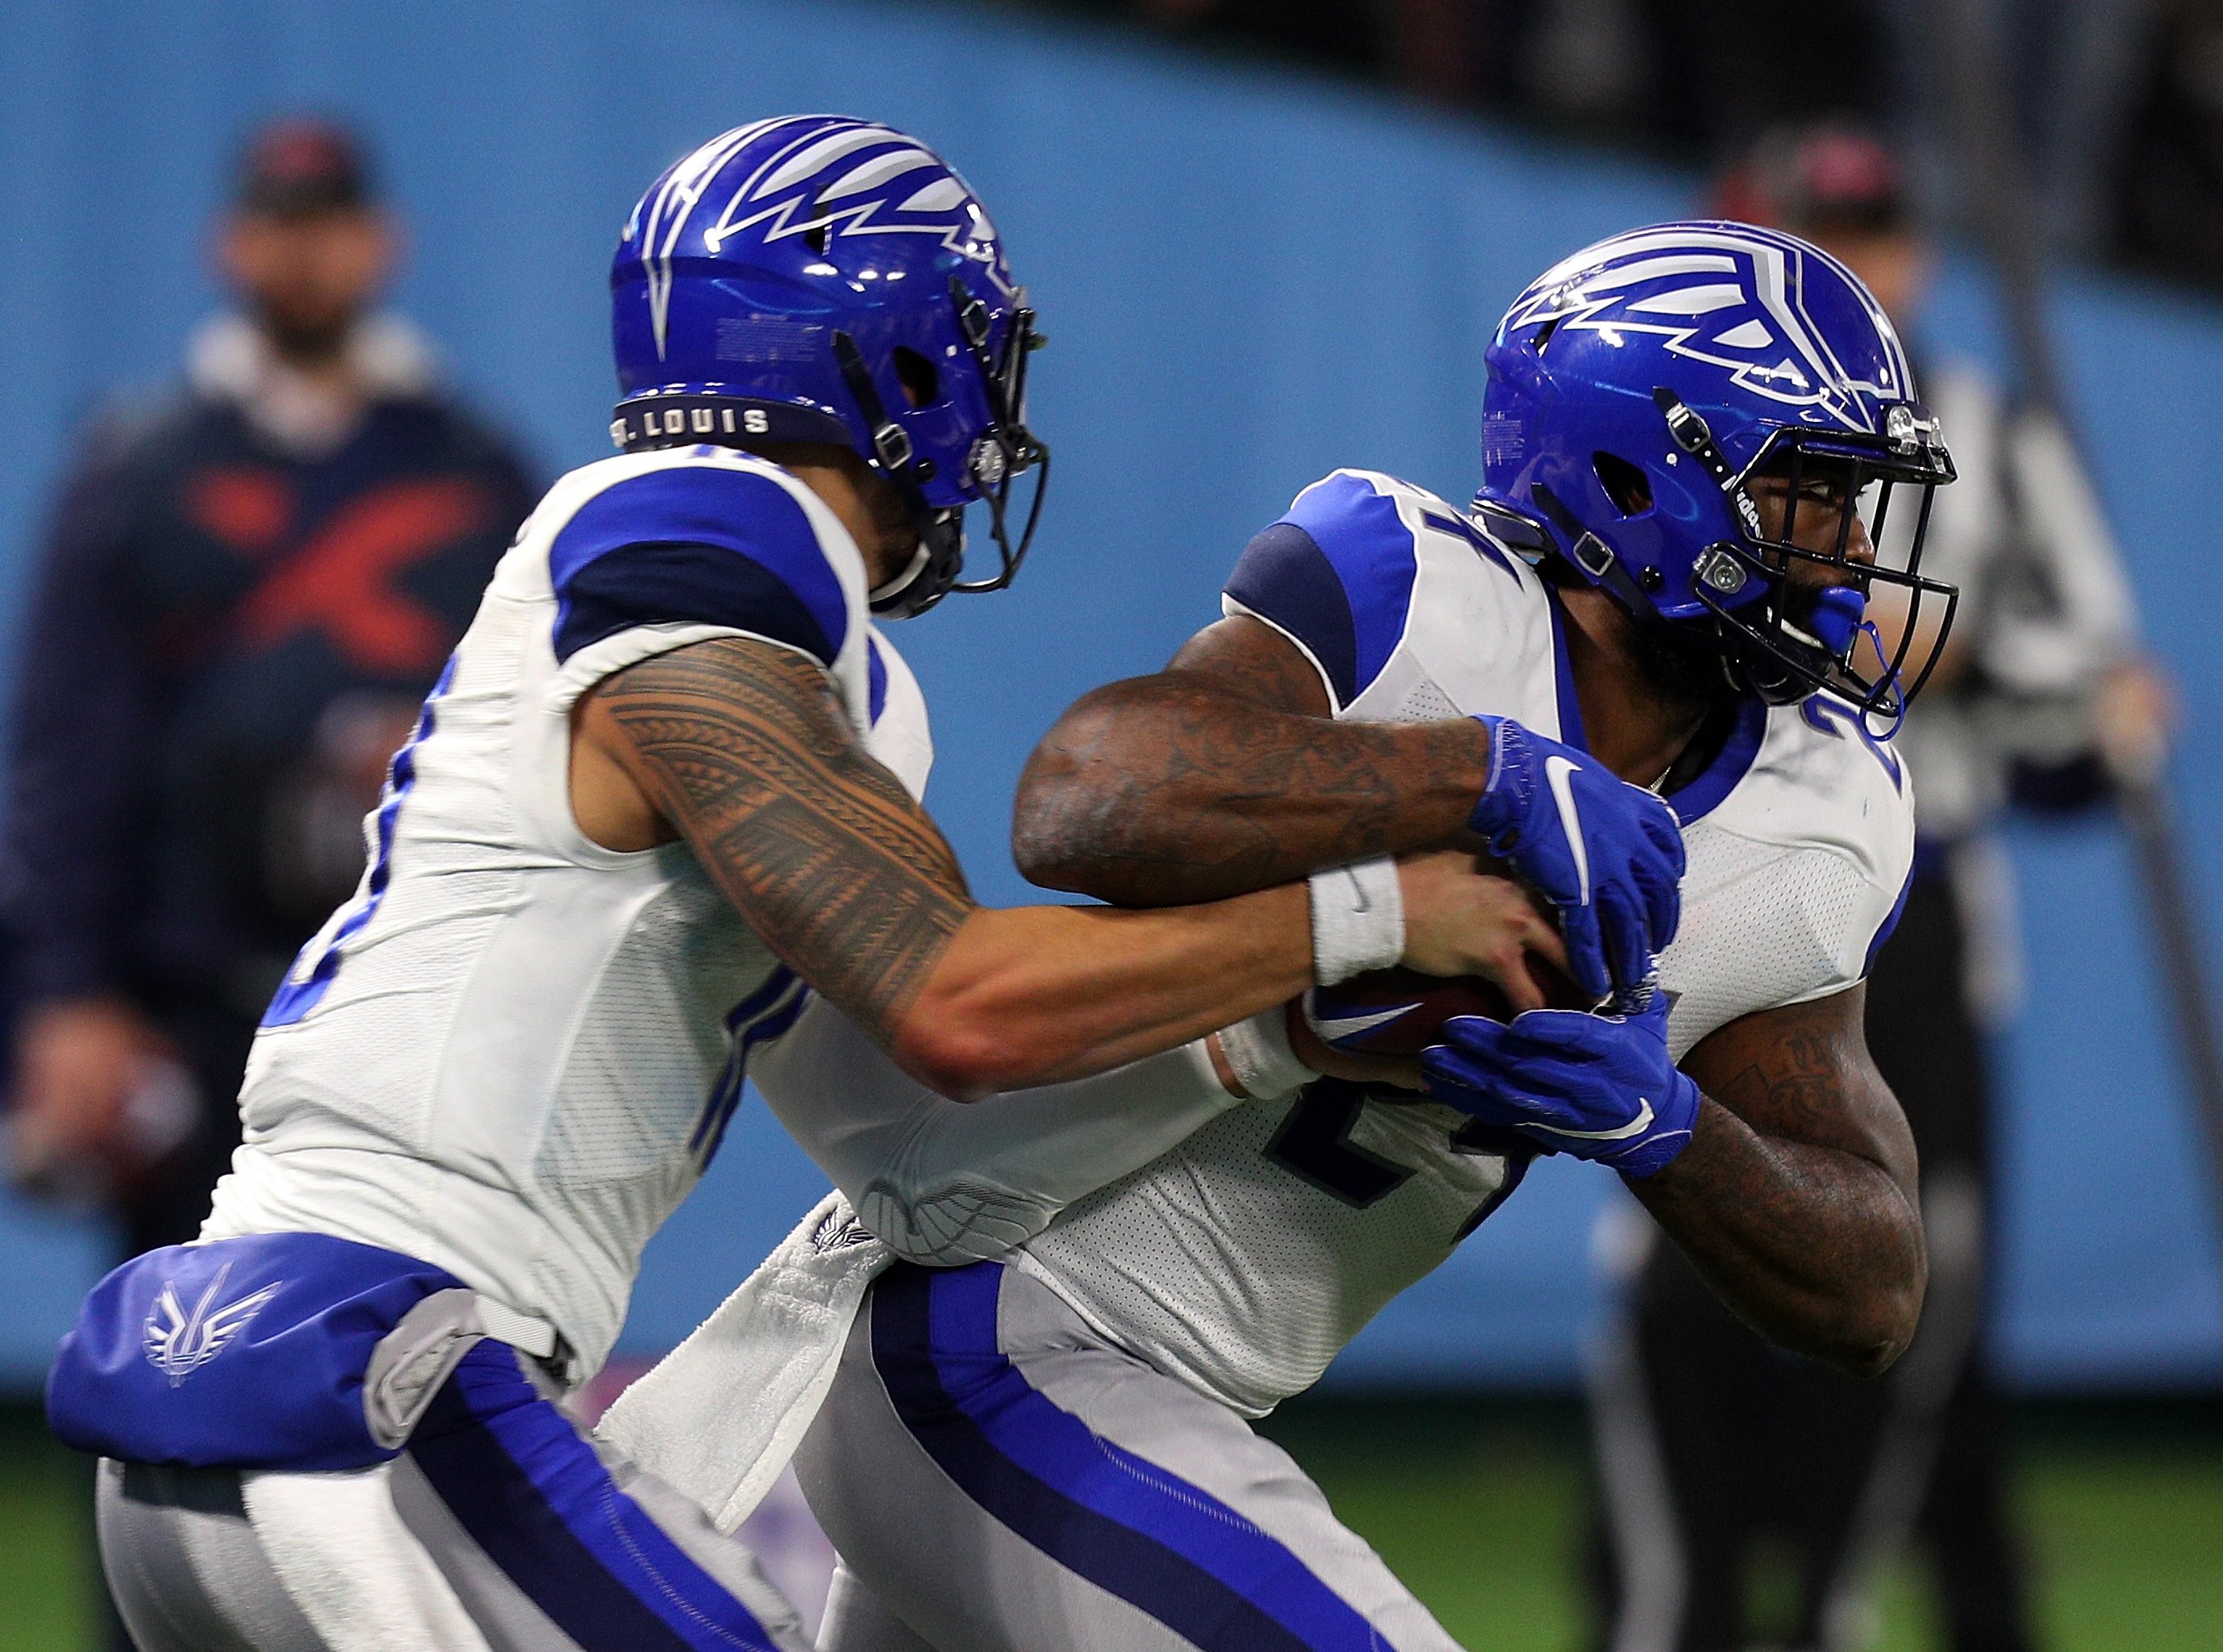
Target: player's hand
{"type": "Point", "coordinates": [1600, 1086]}
{"type": "Point", "coordinates": [1607, 854]}
{"type": "Point", "coordinates": [2135, 716]}
{"type": "Point", "coordinates": [1459, 920]}
{"type": "Point", "coordinates": [78, 1063]}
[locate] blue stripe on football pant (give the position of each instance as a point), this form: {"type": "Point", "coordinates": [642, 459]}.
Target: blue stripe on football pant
{"type": "Point", "coordinates": [701, 544]}
{"type": "Point", "coordinates": [295, 998]}
{"type": "Point", "coordinates": [514, 1471]}
{"type": "Point", "coordinates": [1127, 1525]}
{"type": "Point", "coordinates": [1372, 550]}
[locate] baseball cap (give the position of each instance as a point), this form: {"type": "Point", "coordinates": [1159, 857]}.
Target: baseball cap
{"type": "Point", "coordinates": [1817, 178]}
{"type": "Point", "coordinates": [299, 166]}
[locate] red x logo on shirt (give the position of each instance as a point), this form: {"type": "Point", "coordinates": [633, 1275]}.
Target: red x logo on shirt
{"type": "Point", "coordinates": [342, 580]}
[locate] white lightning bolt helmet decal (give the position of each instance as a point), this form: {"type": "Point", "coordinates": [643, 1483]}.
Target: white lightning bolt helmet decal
{"type": "Point", "coordinates": [845, 178]}
{"type": "Point", "coordinates": [820, 279]}
{"type": "Point", "coordinates": [1729, 295]}
{"type": "Point", "coordinates": [1637, 389]}
{"type": "Point", "coordinates": [661, 215]}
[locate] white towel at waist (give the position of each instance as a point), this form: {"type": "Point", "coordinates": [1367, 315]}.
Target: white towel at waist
{"type": "Point", "coordinates": [719, 1416]}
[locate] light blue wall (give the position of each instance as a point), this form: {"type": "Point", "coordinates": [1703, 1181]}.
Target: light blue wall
{"type": "Point", "coordinates": [1248, 280]}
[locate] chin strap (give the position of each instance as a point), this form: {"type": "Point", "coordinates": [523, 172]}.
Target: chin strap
{"type": "Point", "coordinates": [881, 597]}
{"type": "Point", "coordinates": [941, 552]}
{"type": "Point", "coordinates": [1758, 665]}
{"type": "Point", "coordinates": [1598, 561]}
{"type": "Point", "coordinates": [1000, 452]}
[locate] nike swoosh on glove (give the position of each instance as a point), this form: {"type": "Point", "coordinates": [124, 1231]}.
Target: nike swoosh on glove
{"type": "Point", "coordinates": [1599, 1086]}
{"type": "Point", "coordinates": [1607, 854]}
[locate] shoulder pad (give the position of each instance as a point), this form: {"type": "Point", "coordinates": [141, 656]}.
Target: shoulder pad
{"type": "Point", "coordinates": [699, 540]}
{"type": "Point", "coordinates": [1337, 573]}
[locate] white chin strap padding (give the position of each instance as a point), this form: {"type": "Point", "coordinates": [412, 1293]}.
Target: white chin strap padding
{"type": "Point", "coordinates": [896, 586]}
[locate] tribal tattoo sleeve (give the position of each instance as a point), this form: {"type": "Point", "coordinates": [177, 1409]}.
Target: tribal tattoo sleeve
{"type": "Point", "coordinates": [744, 750]}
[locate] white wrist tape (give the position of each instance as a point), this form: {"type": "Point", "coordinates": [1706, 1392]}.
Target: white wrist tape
{"type": "Point", "coordinates": [1359, 919]}
{"type": "Point", "coordinates": [1258, 1053]}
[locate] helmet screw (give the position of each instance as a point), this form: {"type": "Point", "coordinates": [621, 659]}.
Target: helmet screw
{"type": "Point", "coordinates": [1718, 568]}
{"type": "Point", "coordinates": [1650, 581]}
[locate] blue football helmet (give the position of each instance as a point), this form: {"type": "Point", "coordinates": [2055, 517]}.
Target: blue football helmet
{"type": "Point", "coordinates": [818, 279]}
{"type": "Point", "coordinates": [1638, 390]}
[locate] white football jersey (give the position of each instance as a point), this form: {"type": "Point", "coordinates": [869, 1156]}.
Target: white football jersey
{"type": "Point", "coordinates": [513, 1051]}
{"type": "Point", "coordinates": [1243, 1260]}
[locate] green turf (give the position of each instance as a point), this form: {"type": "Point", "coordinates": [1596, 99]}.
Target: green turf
{"type": "Point", "coordinates": [46, 1581]}
{"type": "Point", "coordinates": [1475, 1507]}
{"type": "Point", "coordinates": [1478, 1507]}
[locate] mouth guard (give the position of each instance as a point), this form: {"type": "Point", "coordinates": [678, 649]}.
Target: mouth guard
{"type": "Point", "coordinates": [1838, 611]}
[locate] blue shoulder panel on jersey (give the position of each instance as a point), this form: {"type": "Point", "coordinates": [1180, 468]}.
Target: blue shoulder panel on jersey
{"type": "Point", "coordinates": [696, 544]}
{"type": "Point", "coordinates": [1336, 573]}
{"type": "Point", "coordinates": [1283, 577]}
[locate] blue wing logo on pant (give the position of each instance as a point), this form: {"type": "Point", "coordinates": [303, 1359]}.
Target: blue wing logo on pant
{"type": "Point", "coordinates": [178, 1341]}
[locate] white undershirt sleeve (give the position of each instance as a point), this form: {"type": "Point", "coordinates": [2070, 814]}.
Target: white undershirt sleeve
{"type": "Point", "coordinates": [944, 1182]}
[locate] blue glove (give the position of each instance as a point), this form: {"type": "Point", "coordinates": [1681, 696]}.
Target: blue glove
{"type": "Point", "coordinates": [1600, 1086]}
{"type": "Point", "coordinates": [1607, 854]}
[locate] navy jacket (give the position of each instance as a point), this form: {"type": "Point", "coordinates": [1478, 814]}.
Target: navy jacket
{"type": "Point", "coordinates": [205, 600]}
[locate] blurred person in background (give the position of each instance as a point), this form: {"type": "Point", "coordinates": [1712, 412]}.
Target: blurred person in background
{"type": "Point", "coordinates": [243, 595]}
{"type": "Point", "coordinates": [1716, 1454]}
{"type": "Point", "coordinates": [1680, 77]}
{"type": "Point", "coordinates": [2165, 196]}
{"type": "Point", "coordinates": [1349, 35]}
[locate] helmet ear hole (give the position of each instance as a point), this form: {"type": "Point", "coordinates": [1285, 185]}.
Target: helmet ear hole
{"type": "Point", "coordinates": [1624, 484]}
{"type": "Point", "coordinates": [922, 383]}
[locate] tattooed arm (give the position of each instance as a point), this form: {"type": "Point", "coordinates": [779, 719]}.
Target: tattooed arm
{"type": "Point", "coordinates": [1796, 1197]}
{"type": "Point", "coordinates": [1222, 773]}
{"type": "Point", "coordinates": [741, 748]}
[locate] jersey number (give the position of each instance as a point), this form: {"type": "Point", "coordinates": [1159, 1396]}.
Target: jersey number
{"type": "Point", "coordinates": [1829, 717]}
{"type": "Point", "coordinates": [1314, 1143]}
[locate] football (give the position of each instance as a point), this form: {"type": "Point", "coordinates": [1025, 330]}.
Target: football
{"type": "Point", "coordinates": [1402, 1012]}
